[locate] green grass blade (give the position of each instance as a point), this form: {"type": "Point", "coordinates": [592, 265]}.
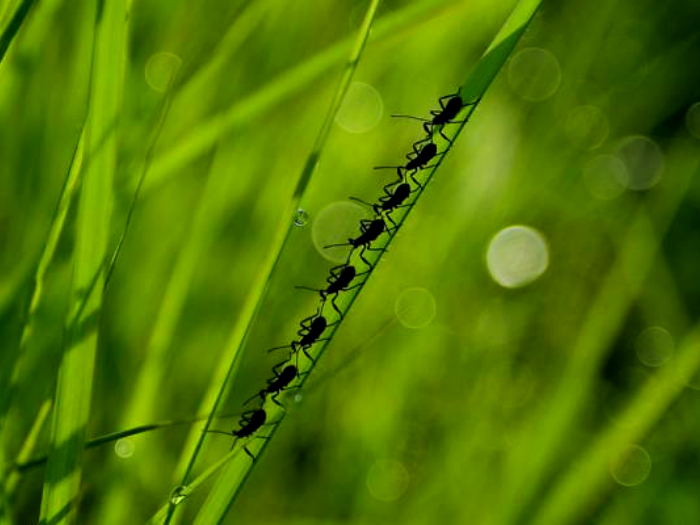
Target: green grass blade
{"type": "Point", "coordinates": [55, 230]}
{"type": "Point", "coordinates": [229, 362]}
{"type": "Point", "coordinates": [232, 479]}
{"type": "Point", "coordinates": [204, 136]}
{"type": "Point", "coordinates": [13, 26]}
{"type": "Point", "coordinates": [75, 375]}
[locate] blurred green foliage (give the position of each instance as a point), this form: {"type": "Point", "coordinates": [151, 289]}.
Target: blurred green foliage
{"type": "Point", "coordinates": [492, 411]}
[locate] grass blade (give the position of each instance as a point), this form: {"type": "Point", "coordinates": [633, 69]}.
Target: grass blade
{"type": "Point", "coordinates": [75, 375]}
{"type": "Point", "coordinates": [230, 482]}
{"type": "Point", "coordinates": [13, 26]}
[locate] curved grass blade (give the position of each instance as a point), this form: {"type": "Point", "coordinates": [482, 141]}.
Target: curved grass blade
{"type": "Point", "coordinates": [13, 26]}
{"type": "Point", "coordinates": [75, 375]}
{"type": "Point", "coordinates": [232, 479]}
{"type": "Point", "coordinates": [229, 362]}
{"type": "Point", "coordinates": [250, 108]}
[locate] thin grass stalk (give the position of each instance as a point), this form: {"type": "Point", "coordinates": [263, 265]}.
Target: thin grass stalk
{"type": "Point", "coordinates": [232, 479]}
{"type": "Point", "coordinates": [74, 384]}
{"type": "Point", "coordinates": [13, 26]}
{"type": "Point", "coordinates": [229, 362]}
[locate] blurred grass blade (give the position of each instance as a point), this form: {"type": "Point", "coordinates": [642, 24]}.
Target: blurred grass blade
{"type": "Point", "coordinates": [229, 361]}
{"type": "Point", "coordinates": [605, 317]}
{"type": "Point", "coordinates": [13, 26]}
{"type": "Point", "coordinates": [586, 480]}
{"type": "Point", "coordinates": [230, 482]}
{"type": "Point", "coordinates": [199, 139]}
{"type": "Point", "coordinates": [74, 384]}
{"type": "Point", "coordinates": [69, 186]}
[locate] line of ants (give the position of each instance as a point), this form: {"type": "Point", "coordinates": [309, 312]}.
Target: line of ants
{"type": "Point", "coordinates": [342, 277]}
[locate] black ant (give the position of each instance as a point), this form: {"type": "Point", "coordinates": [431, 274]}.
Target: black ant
{"type": "Point", "coordinates": [390, 201]}
{"type": "Point", "coordinates": [417, 159]}
{"type": "Point", "coordinates": [311, 329]}
{"type": "Point", "coordinates": [279, 383]}
{"type": "Point", "coordinates": [250, 422]}
{"type": "Point", "coordinates": [370, 231]}
{"type": "Point", "coordinates": [337, 282]}
{"type": "Point", "coordinates": [446, 115]}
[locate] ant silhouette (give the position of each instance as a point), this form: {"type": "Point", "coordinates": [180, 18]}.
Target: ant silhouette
{"type": "Point", "coordinates": [370, 230]}
{"type": "Point", "coordinates": [250, 422]}
{"type": "Point", "coordinates": [390, 201]}
{"type": "Point", "coordinates": [446, 115]}
{"type": "Point", "coordinates": [418, 159]}
{"type": "Point", "coordinates": [279, 383]}
{"type": "Point", "coordinates": [337, 282]}
{"type": "Point", "coordinates": [311, 329]}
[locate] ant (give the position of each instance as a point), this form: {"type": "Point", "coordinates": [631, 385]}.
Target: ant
{"type": "Point", "coordinates": [370, 231]}
{"type": "Point", "coordinates": [417, 159]}
{"type": "Point", "coordinates": [250, 422]}
{"type": "Point", "coordinates": [311, 329]}
{"type": "Point", "coordinates": [390, 201]}
{"type": "Point", "coordinates": [446, 115]}
{"type": "Point", "coordinates": [337, 282]}
{"type": "Point", "coordinates": [279, 383]}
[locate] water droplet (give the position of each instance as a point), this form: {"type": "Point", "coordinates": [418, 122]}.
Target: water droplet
{"type": "Point", "coordinates": [179, 494]}
{"type": "Point", "coordinates": [630, 466]}
{"type": "Point", "coordinates": [298, 398]}
{"type": "Point", "coordinates": [534, 74]}
{"type": "Point", "coordinates": [160, 69]}
{"type": "Point", "coordinates": [124, 448]}
{"type": "Point", "coordinates": [644, 161]}
{"type": "Point", "coordinates": [300, 218]}
{"type": "Point", "coordinates": [361, 109]}
{"type": "Point", "coordinates": [654, 346]}
{"type": "Point", "coordinates": [387, 480]}
{"type": "Point", "coordinates": [415, 307]}
{"type": "Point", "coordinates": [605, 176]}
{"type": "Point", "coordinates": [516, 256]}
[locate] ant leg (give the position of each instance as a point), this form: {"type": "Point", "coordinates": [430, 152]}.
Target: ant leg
{"type": "Point", "coordinates": [413, 178]}
{"type": "Point", "coordinates": [442, 134]}
{"type": "Point", "coordinates": [307, 355]}
{"type": "Point", "coordinates": [275, 368]}
{"type": "Point", "coordinates": [247, 452]}
{"type": "Point", "coordinates": [335, 306]}
{"type": "Point", "coordinates": [361, 201]}
{"type": "Point", "coordinates": [362, 251]}
{"type": "Point", "coordinates": [274, 400]}
{"type": "Point", "coordinates": [280, 348]}
{"type": "Point", "coordinates": [388, 216]}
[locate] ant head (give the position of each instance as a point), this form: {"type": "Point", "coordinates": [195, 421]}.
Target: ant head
{"type": "Point", "coordinates": [349, 271]}
{"type": "Point", "coordinates": [290, 370]}
{"type": "Point", "coordinates": [403, 189]}
{"type": "Point", "coordinates": [377, 224]}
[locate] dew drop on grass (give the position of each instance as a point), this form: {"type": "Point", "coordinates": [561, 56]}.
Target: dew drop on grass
{"type": "Point", "coordinates": [415, 308]}
{"type": "Point", "coordinates": [605, 177]}
{"type": "Point", "coordinates": [179, 494]}
{"type": "Point", "coordinates": [630, 466]}
{"type": "Point", "coordinates": [516, 256]}
{"type": "Point", "coordinates": [298, 398]}
{"type": "Point", "coordinates": [654, 346]}
{"type": "Point", "coordinates": [534, 74]}
{"type": "Point", "coordinates": [301, 218]}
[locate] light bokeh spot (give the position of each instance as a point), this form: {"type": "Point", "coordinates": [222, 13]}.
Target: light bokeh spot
{"type": "Point", "coordinates": [516, 256]}
{"type": "Point", "coordinates": [534, 74]}
{"type": "Point", "coordinates": [605, 176]}
{"type": "Point", "coordinates": [160, 69]}
{"type": "Point", "coordinates": [644, 161]}
{"type": "Point", "coordinates": [654, 346]}
{"type": "Point", "coordinates": [387, 480]}
{"type": "Point", "coordinates": [415, 307]}
{"type": "Point", "coordinates": [334, 224]}
{"type": "Point", "coordinates": [361, 110]}
{"type": "Point", "coordinates": [587, 127]}
{"type": "Point", "coordinates": [630, 466]}
{"type": "Point", "coordinates": [124, 448]}
{"type": "Point", "coordinates": [692, 120]}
